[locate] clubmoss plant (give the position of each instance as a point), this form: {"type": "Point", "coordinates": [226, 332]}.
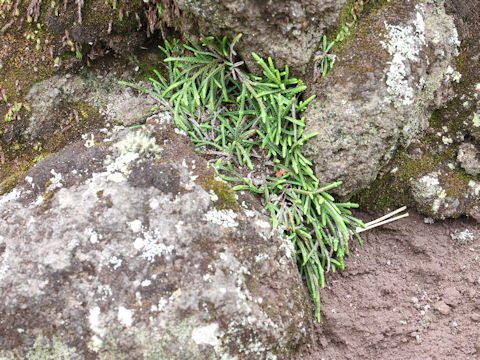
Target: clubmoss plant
{"type": "Point", "coordinates": [247, 121]}
{"type": "Point", "coordinates": [324, 59]}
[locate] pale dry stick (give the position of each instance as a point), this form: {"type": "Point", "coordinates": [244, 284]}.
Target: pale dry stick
{"type": "Point", "coordinates": [389, 215]}
{"type": "Point", "coordinates": [359, 230]}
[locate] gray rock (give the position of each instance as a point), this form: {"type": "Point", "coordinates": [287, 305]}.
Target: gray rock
{"type": "Point", "coordinates": [378, 96]}
{"type": "Point", "coordinates": [436, 198]}
{"type": "Point", "coordinates": [119, 251]}
{"type": "Point", "coordinates": [119, 103]}
{"type": "Point", "coordinates": [288, 31]}
{"type": "Point", "coordinates": [469, 158]}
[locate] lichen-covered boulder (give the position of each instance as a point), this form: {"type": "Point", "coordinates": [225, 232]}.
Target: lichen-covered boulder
{"type": "Point", "coordinates": [287, 31]}
{"type": "Point", "coordinates": [397, 66]}
{"type": "Point", "coordinates": [130, 248]}
{"type": "Point", "coordinates": [432, 198]}
{"type": "Point", "coordinates": [439, 172]}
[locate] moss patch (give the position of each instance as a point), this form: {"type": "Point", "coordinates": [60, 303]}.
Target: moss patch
{"type": "Point", "coordinates": [226, 196]}
{"type": "Point", "coordinates": [391, 189]}
{"type": "Point", "coordinates": [364, 21]}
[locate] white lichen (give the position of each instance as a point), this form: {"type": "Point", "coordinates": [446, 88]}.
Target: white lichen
{"type": "Point", "coordinates": [455, 41]}
{"type": "Point", "coordinates": [115, 262]}
{"type": "Point", "coordinates": [476, 119]}
{"type": "Point", "coordinates": [135, 226]}
{"type": "Point", "coordinates": [139, 143]}
{"type": "Point", "coordinates": [146, 283]}
{"type": "Point", "coordinates": [92, 235]}
{"type": "Point", "coordinates": [95, 344]}
{"type": "Point", "coordinates": [224, 217]}
{"type": "Point", "coordinates": [463, 237]}
{"type": "Point", "coordinates": [4, 267]}
{"type": "Point", "coordinates": [180, 132]}
{"type": "Point", "coordinates": [121, 163]}
{"type": "Point", "coordinates": [162, 304]}
{"type": "Point", "coordinates": [447, 140]}
{"type": "Point", "coordinates": [475, 187]}
{"type": "Point", "coordinates": [404, 43]}
{"type": "Point", "coordinates": [55, 182]}
{"type": "Point", "coordinates": [206, 335]}
{"type": "Point", "coordinates": [261, 257]}
{"type": "Point", "coordinates": [249, 213]}
{"type": "Point", "coordinates": [11, 196]}
{"type": "Point", "coordinates": [452, 74]}
{"type": "Point", "coordinates": [94, 321]}
{"type": "Point", "coordinates": [89, 140]}
{"type": "Point", "coordinates": [29, 180]}
{"type": "Point", "coordinates": [125, 316]}
{"type": "Point", "coordinates": [152, 246]}
{"type": "Point", "coordinates": [213, 196]}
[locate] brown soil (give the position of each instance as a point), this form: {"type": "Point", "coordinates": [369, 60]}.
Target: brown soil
{"type": "Point", "coordinates": [411, 292]}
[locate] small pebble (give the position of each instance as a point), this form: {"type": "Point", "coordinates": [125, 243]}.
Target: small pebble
{"type": "Point", "coordinates": [442, 308]}
{"type": "Point", "coordinates": [452, 296]}
{"type": "Point", "coordinates": [475, 317]}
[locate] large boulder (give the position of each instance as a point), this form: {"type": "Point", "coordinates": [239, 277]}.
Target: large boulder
{"type": "Point", "coordinates": [130, 248]}
{"type": "Point", "coordinates": [397, 67]}
{"type": "Point", "coordinates": [288, 31]}
{"type": "Point", "coordinates": [439, 172]}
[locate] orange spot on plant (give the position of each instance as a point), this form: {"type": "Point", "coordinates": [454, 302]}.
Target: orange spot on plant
{"type": "Point", "coordinates": [281, 172]}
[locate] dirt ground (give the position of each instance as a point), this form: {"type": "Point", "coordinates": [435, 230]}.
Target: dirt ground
{"type": "Point", "coordinates": [411, 292]}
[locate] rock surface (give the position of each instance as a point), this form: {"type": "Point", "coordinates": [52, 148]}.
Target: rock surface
{"type": "Point", "coordinates": [379, 95]}
{"type": "Point", "coordinates": [132, 249]}
{"type": "Point", "coordinates": [93, 27]}
{"type": "Point", "coordinates": [448, 148]}
{"type": "Point", "coordinates": [286, 30]}
{"type": "Point", "coordinates": [469, 158]}
{"type": "Point", "coordinates": [432, 198]}
{"type": "Point", "coordinates": [121, 104]}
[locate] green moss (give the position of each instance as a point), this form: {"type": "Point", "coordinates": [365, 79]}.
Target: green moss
{"type": "Point", "coordinates": [436, 119]}
{"type": "Point", "coordinates": [456, 184]}
{"type": "Point", "coordinates": [47, 198]}
{"type": "Point", "coordinates": [360, 26]}
{"type": "Point", "coordinates": [391, 189]}
{"type": "Point", "coordinates": [9, 182]}
{"type": "Point", "coordinates": [226, 196]}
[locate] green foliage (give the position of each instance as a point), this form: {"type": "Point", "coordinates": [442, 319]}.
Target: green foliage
{"type": "Point", "coordinates": [242, 118]}
{"type": "Point", "coordinates": [324, 59]}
